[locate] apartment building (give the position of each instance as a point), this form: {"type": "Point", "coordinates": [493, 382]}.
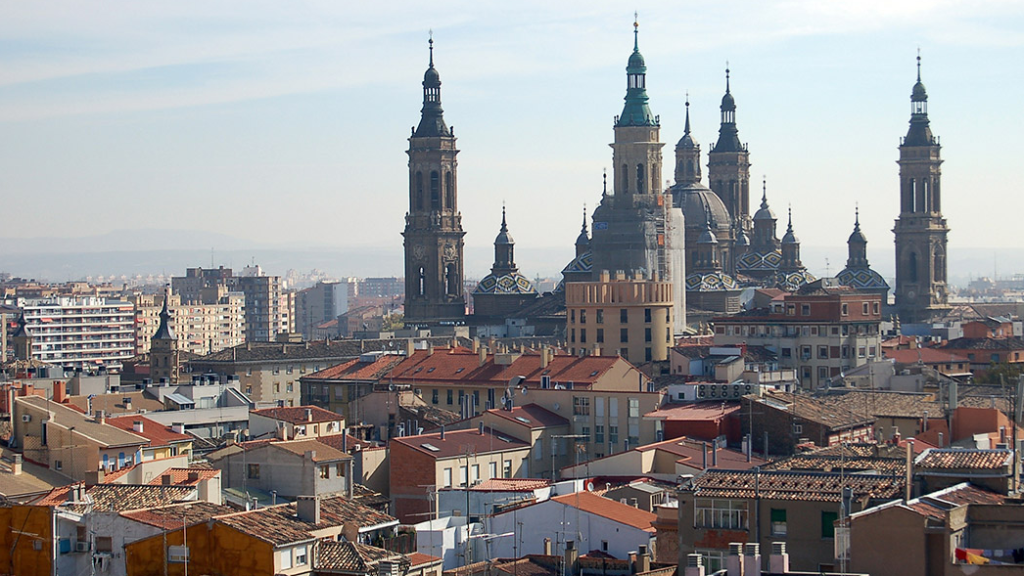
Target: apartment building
{"type": "Point", "coordinates": [821, 331]}
{"type": "Point", "coordinates": [615, 315]}
{"type": "Point", "coordinates": [268, 309]}
{"type": "Point", "coordinates": [215, 322]}
{"type": "Point", "coordinates": [321, 303]}
{"type": "Point", "coordinates": [75, 331]}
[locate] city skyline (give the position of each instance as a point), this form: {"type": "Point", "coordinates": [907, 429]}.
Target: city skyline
{"type": "Point", "coordinates": [277, 126]}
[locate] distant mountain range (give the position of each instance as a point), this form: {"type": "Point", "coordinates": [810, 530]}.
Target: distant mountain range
{"type": "Point", "coordinates": [151, 252]}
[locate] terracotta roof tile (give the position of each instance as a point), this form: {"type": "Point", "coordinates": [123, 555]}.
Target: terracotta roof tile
{"type": "Point", "coordinates": [356, 369]}
{"type": "Point", "coordinates": [171, 517]}
{"type": "Point", "coordinates": [314, 350]}
{"type": "Point", "coordinates": [531, 416]}
{"type": "Point", "coordinates": [810, 409]}
{"type": "Point", "coordinates": [782, 485]}
{"type": "Point", "coordinates": [298, 414]}
{"type": "Point", "coordinates": [158, 434]}
{"type": "Point", "coordinates": [925, 356]}
{"type": "Point", "coordinates": [511, 485]}
{"type": "Point", "coordinates": [594, 504]}
{"type": "Point", "coordinates": [456, 441]}
{"type": "Point", "coordinates": [324, 453]}
{"type": "Point", "coordinates": [961, 459]}
{"type": "Point", "coordinates": [118, 497]}
{"type": "Point", "coordinates": [186, 476]}
{"type": "Point", "coordinates": [279, 525]}
{"type": "Point", "coordinates": [884, 404]}
{"type": "Point", "coordinates": [351, 557]}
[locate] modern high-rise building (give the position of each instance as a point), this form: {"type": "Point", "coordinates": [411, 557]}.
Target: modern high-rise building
{"type": "Point", "coordinates": [267, 307]}
{"type": "Point", "coordinates": [202, 327]}
{"type": "Point", "coordinates": [75, 332]}
{"type": "Point", "coordinates": [921, 291]}
{"type": "Point", "coordinates": [318, 304]}
{"type": "Point", "coordinates": [434, 291]}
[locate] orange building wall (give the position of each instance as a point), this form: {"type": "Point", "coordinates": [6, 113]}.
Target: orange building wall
{"type": "Point", "coordinates": [20, 528]}
{"type": "Point", "coordinates": [218, 550]}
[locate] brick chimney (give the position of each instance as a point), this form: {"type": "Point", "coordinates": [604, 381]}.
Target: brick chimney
{"type": "Point", "coordinates": [778, 562]}
{"type": "Point", "coordinates": [572, 556]}
{"type": "Point", "coordinates": [16, 465]}
{"type": "Point", "coordinates": [734, 562]}
{"type": "Point", "coordinates": [752, 559]}
{"type": "Point", "coordinates": [309, 414]}
{"type": "Point", "coordinates": [60, 391]}
{"type": "Point", "coordinates": [138, 426]}
{"type": "Point", "coordinates": [643, 559]}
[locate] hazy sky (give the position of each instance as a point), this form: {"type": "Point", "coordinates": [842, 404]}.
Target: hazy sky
{"type": "Point", "coordinates": [286, 122]}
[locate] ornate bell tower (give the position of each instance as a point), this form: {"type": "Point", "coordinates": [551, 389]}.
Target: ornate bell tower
{"type": "Point", "coordinates": [433, 226]}
{"type": "Point", "coordinates": [729, 164]}
{"type": "Point", "coordinates": [921, 292]}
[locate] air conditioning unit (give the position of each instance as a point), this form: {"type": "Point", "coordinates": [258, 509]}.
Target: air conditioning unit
{"type": "Point", "coordinates": [26, 417]}
{"type": "Point", "coordinates": [702, 391]}
{"type": "Point", "coordinates": [82, 546]}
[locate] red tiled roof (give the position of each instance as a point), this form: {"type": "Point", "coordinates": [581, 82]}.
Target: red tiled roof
{"type": "Point", "coordinates": [511, 485]}
{"type": "Point", "coordinates": [456, 442]}
{"type": "Point", "coordinates": [531, 416]}
{"type": "Point", "coordinates": [691, 453]}
{"type": "Point", "coordinates": [297, 414]}
{"type": "Point", "coordinates": [186, 476]}
{"type": "Point", "coordinates": [936, 505]}
{"type": "Point", "coordinates": [118, 497]}
{"type": "Point", "coordinates": [356, 369]}
{"type": "Point", "coordinates": [461, 366]}
{"type": "Point", "coordinates": [696, 411]}
{"type": "Point", "coordinates": [924, 355]}
{"type": "Point", "coordinates": [171, 517]}
{"type": "Point", "coordinates": [324, 453]}
{"type": "Point", "coordinates": [594, 504]}
{"type": "Point", "coordinates": [157, 433]}
{"type": "Point", "coordinates": [417, 558]}
{"type": "Point", "coordinates": [279, 525]}
{"type": "Point", "coordinates": [958, 459]}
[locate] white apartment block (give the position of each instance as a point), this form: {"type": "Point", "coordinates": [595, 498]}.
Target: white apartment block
{"type": "Point", "coordinates": [79, 331]}
{"type": "Point", "coordinates": [201, 327]}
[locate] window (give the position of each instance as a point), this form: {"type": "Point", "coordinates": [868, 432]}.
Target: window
{"type": "Point", "coordinates": [447, 482]}
{"type": "Point", "coordinates": [585, 431]}
{"type": "Point", "coordinates": [860, 352]}
{"type": "Point", "coordinates": [828, 524]}
{"type": "Point", "coordinates": [647, 354]}
{"type": "Point", "coordinates": [790, 309]}
{"type": "Point", "coordinates": [865, 308]}
{"type": "Point", "coordinates": [254, 471]}
{"type": "Point", "coordinates": [823, 352]}
{"type": "Point", "coordinates": [300, 556]}
{"type": "Point", "coordinates": [339, 469]}
{"type": "Point", "coordinates": [874, 308]}
{"type": "Point", "coordinates": [449, 397]}
{"type": "Point", "coordinates": [463, 475]}
{"type": "Point", "coordinates": [492, 470]}
{"type": "Point", "coordinates": [572, 316]}
{"type": "Point", "coordinates": [474, 473]}
{"type": "Point", "coordinates": [846, 309]}
{"type": "Point", "coordinates": [805, 352]}
{"type": "Point", "coordinates": [583, 335]}
{"type": "Point", "coordinates": [623, 335]}
{"type": "Point", "coordinates": [580, 406]}
{"type": "Point", "coordinates": [634, 407]}
{"type": "Point", "coordinates": [822, 374]}
{"type": "Point", "coordinates": [613, 435]}
{"type": "Point", "coordinates": [506, 469]}
{"type": "Point", "coordinates": [277, 387]}
{"type": "Point", "coordinates": [286, 559]}
{"type": "Point", "coordinates": [624, 315]}
{"type": "Point", "coordinates": [787, 353]}
{"type": "Point", "coordinates": [805, 309]}
{"type": "Point", "coordinates": [778, 517]}
{"type": "Point", "coordinates": [647, 334]}
{"type": "Point", "coordinates": [647, 315]}
{"type": "Point", "coordinates": [599, 434]}
{"type": "Point", "coordinates": [583, 316]}
{"type": "Point", "coordinates": [289, 369]}
{"type": "Point", "coordinates": [718, 513]}
{"type": "Point", "coordinates": [600, 316]}
{"type": "Point", "coordinates": [104, 544]}
{"type": "Point", "coordinates": [325, 472]}
{"type": "Point", "coordinates": [434, 396]}
{"type": "Point", "coordinates": [600, 335]}
{"type": "Point", "coordinates": [538, 451]}
{"type": "Point", "coordinates": [714, 559]}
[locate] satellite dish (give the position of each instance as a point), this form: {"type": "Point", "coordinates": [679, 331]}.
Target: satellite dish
{"type": "Point", "coordinates": [590, 486]}
{"type": "Point", "coordinates": [524, 391]}
{"type": "Point", "coordinates": [504, 401]}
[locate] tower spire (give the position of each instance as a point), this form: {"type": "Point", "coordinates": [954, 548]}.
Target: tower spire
{"type": "Point", "coordinates": [431, 43]}
{"type": "Point", "coordinates": [727, 77]}
{"type": "Point", "coordinates": [636, 111]}
{"type": "Point", "coordinates": [636, 32]}
{"type": "Point", "coordinates": [432, 115]}
{"type": "Point", "coordinates": [764, 192]}
{"type": "Point", "coordinates": [918, 63]}
{"type": "Point", "coordinates": [686, 130]}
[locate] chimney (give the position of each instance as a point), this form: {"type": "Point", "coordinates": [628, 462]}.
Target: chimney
{"type": "Point", "coordinates": [483, 355]}
{"type": "Point", "coordinates": [481, 428]}
{"type": "Point", "coordinates": [752, 559]}
{"type": "Point", "coordinates": [430, 349]}
{"type": "Point", "coordinates": [310, 455]}
{"type": "Point", "coordinates": [16, 465]}
{"type": "Point", "coordinates": [344, 442]}
{"type": "Point", "coordinates": [100, 418]}
{"type": "Point", "coordinates": [178, 428]}
{"type": "Point", "coordinates": [410, 348]}
{"type": "Point", "coordinates": [714, 454]}
{"type": "Point", "coordinates": [476, 345]}
{"type": "Point", "coordinates": [643, 559]}
{"type": "Point", "coordinates": [909, 477]}
{"type": "Point", "coordinates": [137, 426]}
{"type": "Point", "coordinates": [778, 561]}
{"type": "Point", "coordinates": [694, 565]}
{"type": "Point", "coordinates": [547, 546]}
{"type": "Point", "coordinates": [307, 508]}
{"type": "Point", "coordinates": [734, 562]}
{"type": "Point", "coordinates": [309, 414]}
{"type": "Point", "coordinates": [60, 391]}
{"type": "Point", "coordinates": [442, 433]}
{"type": "Point", "coordinates": [165, 480]}
{"type": "Point", "coordinates": [571, 558]}
{"type": "Point", "coordinates": [127, 401]}
{"type": "Point", "coordinates": [704, 456]}
{"type": "Point", "coordinates": [941, 440]}
{"type": "Point", "coordinates": [193, 475]}
{"type": "Point", "coordinates": [632, 563]}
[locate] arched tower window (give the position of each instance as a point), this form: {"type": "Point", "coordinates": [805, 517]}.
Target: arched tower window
{"type": "Point", "coordinates": [435, 191]}
{"type": "Point", "coordinates": [939, 269]}
{"type": "Point", "coordinates": [422, 282]}
{"type": "Point", "coordinates": [451, 280]}
{"type": "Point", "coordinates": [449, 191]}
{"type": "Point", "coordinates": [912, 193]}
{"type": "Point", "coordinates": [927, 201]}
{"type": "Point", "coordinates": [936, 200]}
{"type": "Point", "coordinates": [640, 187]}
{"type": "Point", "coordinates": [625, 179]}
{"type": "Point", "coordinates": [419, 190]}
{"type": "Point", "coordinates": [912, 265]}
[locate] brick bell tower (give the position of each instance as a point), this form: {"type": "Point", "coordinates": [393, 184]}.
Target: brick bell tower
{"type": "Point", "coordinates": [433, 226]}
{"type": "Point", "coordinates": [921, 291]}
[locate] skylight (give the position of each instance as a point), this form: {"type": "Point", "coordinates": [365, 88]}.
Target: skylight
{"type": "Point", "coordinates": [430, 447]}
